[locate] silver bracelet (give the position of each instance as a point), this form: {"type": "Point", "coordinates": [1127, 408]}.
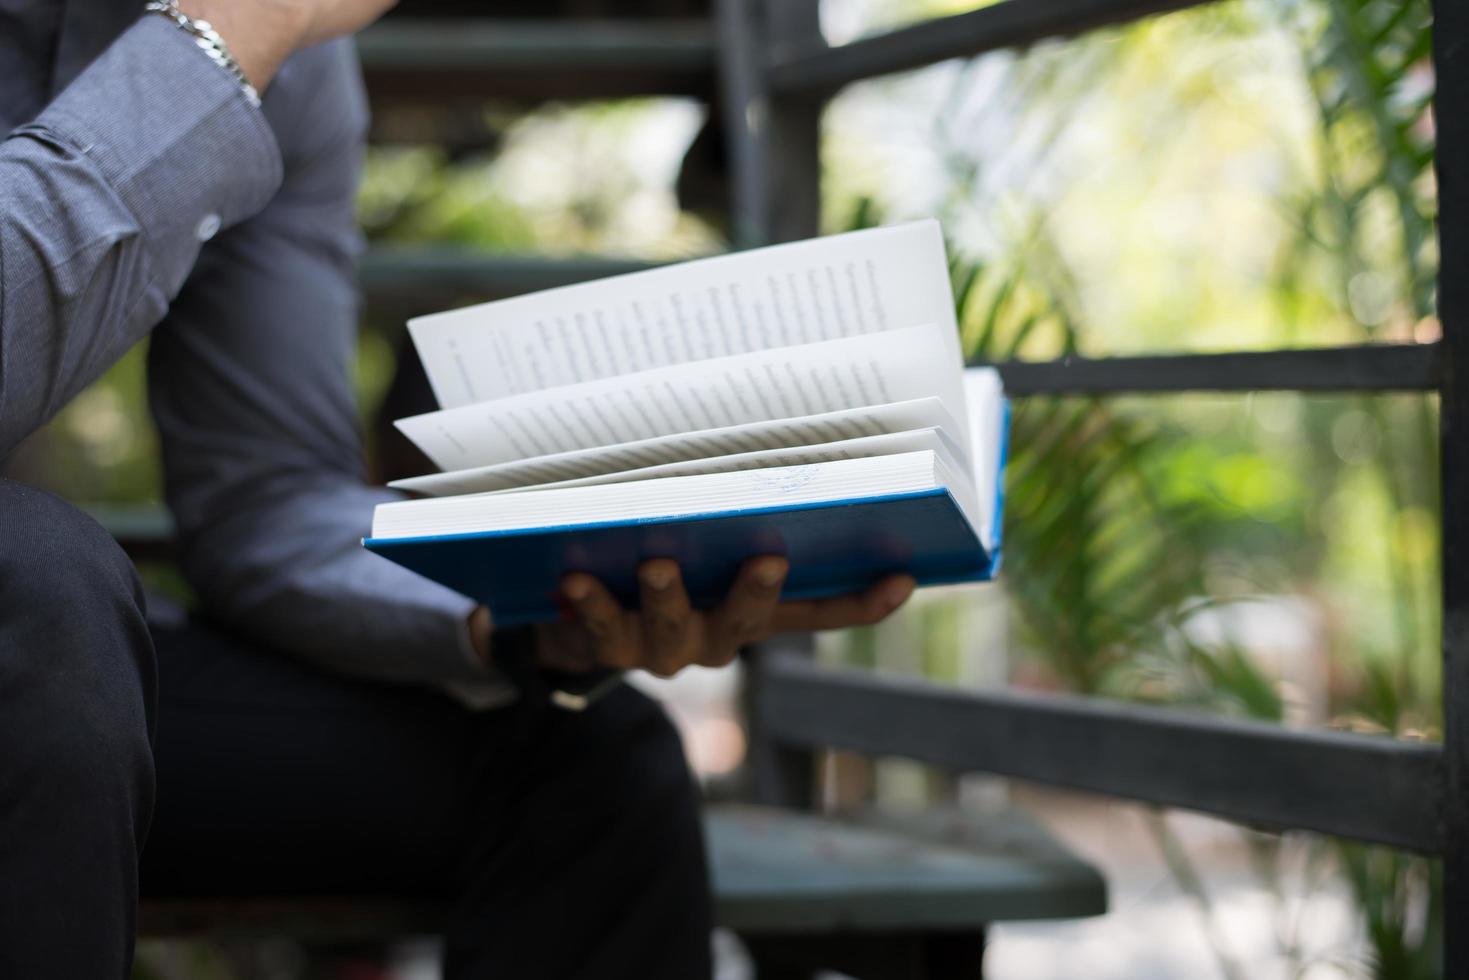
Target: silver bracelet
{"type": "Point", "coordinates": [208, 40]}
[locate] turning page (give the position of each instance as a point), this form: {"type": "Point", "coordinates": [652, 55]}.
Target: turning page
{"type": "Point", "coordinates": [800, 293]}
{"type": "Point", "coordinates": [876, 369]}
{"type": "Point", "coordinates": [890, 444]}
{"type": "Point", "coordinates": [704, 444]}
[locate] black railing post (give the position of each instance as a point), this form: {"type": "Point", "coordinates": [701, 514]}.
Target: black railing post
{"type": "Point", "coordinates": [792, 211]}
{"type": "Point", "coordinates": [1451, 64]}
{"type": "Point", "coordinates": [793, 130]}
{"type": "Point", "coordinates": [775, 153]}
{"type": "Point", "coordinates": [746, 101]}
{"type": "Point", "coordinates": [779, 773]}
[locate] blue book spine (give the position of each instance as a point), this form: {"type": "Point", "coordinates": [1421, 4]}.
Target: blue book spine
{"type": "Point", "coordinates": [834, 548]}
{"type": "Point", "coordinates": [998, 524]}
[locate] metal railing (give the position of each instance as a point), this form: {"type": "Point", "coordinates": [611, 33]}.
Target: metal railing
{"type": "Point", "coordinates": [434, 62]}
{"type": "Point", "coordinates": [777, 73]}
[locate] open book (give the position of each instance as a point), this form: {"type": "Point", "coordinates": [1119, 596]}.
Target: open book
{"type": "Point", "coordinates": [806, 399]}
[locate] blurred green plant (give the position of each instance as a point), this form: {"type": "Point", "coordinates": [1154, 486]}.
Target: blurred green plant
{"type": "Point", "coordinates": [1103, 560]}
{"type": "Point", "coordinates": [1372, 217]}
{"type": "Point", "coordinates": [1129, 519]}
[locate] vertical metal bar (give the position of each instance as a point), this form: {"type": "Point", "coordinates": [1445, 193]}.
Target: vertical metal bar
{"type": "Point", "coordinates": [1451, 63]}
{"type": "Point", "coordinates": [775, 156]}
{"type": "Point", "coordinates": [791, 143]}
{"type": "Point", "coordinates": [779, 774]}
{"type": "Point", "coordinates": [792, 130]}
{"type": "Point", "coordinates": [772, 776]}
{"type": "Point", "coordinates": [741, 81]}
{"type": "Point", "coordinates": [773, 144]}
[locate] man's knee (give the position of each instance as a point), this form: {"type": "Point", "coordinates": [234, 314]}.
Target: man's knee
{"type": "Point", "coordinates": [77, 678]}
{"type": "Point", "coordinates": [54, 559]}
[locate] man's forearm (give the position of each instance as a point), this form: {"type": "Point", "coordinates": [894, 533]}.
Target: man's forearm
{"type": "Point", "coordinates": [261, 33]}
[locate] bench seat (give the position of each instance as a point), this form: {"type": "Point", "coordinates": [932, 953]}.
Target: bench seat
{"type": "Point", "coordinates": [775, 872]}
{"type": "Point", "coordinates": [781, 871]}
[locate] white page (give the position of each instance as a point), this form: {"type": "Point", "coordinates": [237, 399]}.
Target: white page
{"type": "Point", "coordinates": [852, 423]}
{"type": "Point", "coordinates": [670, 498]}
{"type": "Point", "coordinates": [985, 401]}
{"type": "Point", "coordinates": [888, 444]}
{"type": "Point", "coordinates": [932, 440]}
{"type": "Point", "coordinates": [874, 369]}
{"type": "Point", "coordinates": [838, 286]}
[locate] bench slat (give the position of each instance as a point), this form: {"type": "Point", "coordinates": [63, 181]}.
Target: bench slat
{"type": "Point", "coordinates": [781, 871]}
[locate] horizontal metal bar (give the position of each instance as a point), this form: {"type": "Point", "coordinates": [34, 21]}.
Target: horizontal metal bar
{"type": "Point", "coordinates": [429, 276]}
{"type": "Point", "coordinates": [436, 275]}
{"type": "Point", "coordinates": [481, 57]}
{"type": "Point", "coordinates": [536, 46]}
{"type": "Point", "coordinates": [1015, 23]}
{"type": "Point", "coordinates": [1365, 367]}
{"type": "Point", "coordinates": [145, 531]}
{"type": "Point", "coordinates": [1364, 787]}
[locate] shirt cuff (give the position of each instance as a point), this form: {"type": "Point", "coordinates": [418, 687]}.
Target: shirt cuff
{"type": "Point", "coordinates": [173, 135]}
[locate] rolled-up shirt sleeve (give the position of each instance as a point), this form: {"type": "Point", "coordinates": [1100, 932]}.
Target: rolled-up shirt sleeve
{"type": "Point", "coordinates": [101, 197]}
{"type": "Point", "coordinates": [250, 382]}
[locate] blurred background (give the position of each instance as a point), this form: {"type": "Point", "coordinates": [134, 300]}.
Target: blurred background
{"type": "Point", "coordinates": [1252, 174]}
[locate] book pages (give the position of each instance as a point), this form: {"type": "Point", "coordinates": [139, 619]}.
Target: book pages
{"type": "Point", "coordinates": [931, 440]}
{"type": "Point", "coordinates": [867, 370]}
{"type": "Point", "coordinates": [781, 296]}
{"type": "Point", "coordinates": [676, 496]}
{"type": "Point", "coordinates": [806, 430]}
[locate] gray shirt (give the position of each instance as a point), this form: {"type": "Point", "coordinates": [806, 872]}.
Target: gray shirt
{"type": "Point", "coordinates": [142, 196]}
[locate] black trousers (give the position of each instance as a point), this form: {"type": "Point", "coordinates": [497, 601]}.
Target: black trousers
{"type": "Point", "coordinates": [568, 844]}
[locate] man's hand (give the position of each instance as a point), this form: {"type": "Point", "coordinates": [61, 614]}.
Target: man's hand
{"type": "Point", "coordinates": [665, 635]}
{"type": "Point", "coordinates": [261, 33]}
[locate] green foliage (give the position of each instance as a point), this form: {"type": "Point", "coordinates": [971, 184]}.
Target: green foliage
{"type": "Point", "coordinates": [1401, 901]}
{"type": "Point", "coordinates": [1104, 570]}
{"type": "Point", "coordinates": [1126, 520]}
{"type": "Point", "coordinates": [1366, 62]}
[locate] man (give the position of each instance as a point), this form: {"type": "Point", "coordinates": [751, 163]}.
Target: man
{"type": "Point", "coordinates": [306, 738]}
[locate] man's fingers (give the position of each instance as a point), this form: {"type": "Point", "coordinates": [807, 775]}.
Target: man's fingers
{"type": "Point", "coordinates": [666, 635]}
{"type": "Point", "coordinates": [861, 609]}
{"type": "Point", "coordinates": [747, 611]}
{"type": "Point", "coordinates": [668, 625]}
{"type": "Point", "coordinates": [603, 618]}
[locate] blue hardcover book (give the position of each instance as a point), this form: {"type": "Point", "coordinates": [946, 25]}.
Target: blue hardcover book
{"type": "Point", "coordinates": [806, 400]}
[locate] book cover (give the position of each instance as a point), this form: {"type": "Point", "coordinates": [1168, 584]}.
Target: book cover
{"type": "Point", "coordinates": [833, 547]}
